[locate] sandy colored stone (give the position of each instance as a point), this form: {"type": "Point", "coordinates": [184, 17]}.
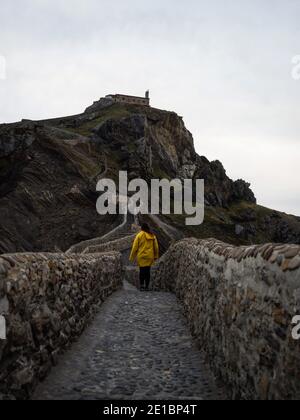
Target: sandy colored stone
{"type": "Point", "coordinates": [280, 316]}
{"type": "Point", "coordinates": [291, 253]}
{"type": "Point", "coordinates": [294, 263]}
{"type": "Point", "coordinates": [273, 257]}
{"type": "Point", "coordinates": [264, 386]}
{"type": "Point", "coordinates": [285, 265]}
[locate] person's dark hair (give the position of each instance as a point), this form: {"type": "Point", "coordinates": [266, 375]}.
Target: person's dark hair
{"type": "Point", "coordinates": [145, 227]}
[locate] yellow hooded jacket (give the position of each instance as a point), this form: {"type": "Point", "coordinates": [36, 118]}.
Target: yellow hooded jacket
{"type": "Point", "coordinates": [145, 249]}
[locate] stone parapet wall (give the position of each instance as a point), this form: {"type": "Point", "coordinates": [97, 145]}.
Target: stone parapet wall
{"type": "Point", "coordinates": [118, 245]}
{"type": "Point", "coordinates": [240, 303]}
{"type": "Point", "coordinates": [47, 300]}
{"type": "Point", "coordinates": [132, 276]}
{"type": "Point", "coordinates": [81, 246]}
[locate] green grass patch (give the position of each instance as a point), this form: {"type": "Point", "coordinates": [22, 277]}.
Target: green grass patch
{"type": "Point", "coordinates": [114, 112]}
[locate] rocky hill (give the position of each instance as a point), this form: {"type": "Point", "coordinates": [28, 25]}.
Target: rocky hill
{"type": "Point", "coordinates": [49, 170]}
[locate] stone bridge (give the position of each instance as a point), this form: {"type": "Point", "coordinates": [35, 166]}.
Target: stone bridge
{"type": "Point", "coordinates": [217, 324]}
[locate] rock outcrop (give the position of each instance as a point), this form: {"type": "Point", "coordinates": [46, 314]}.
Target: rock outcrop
{"type": "Point", "coordinates": [49, 170]}
{"type": "Point", "coordinates": [47, 189]}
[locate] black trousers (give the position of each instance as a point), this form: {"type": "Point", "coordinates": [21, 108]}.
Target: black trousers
{"type": "Point", "coordinates": [145, 276]}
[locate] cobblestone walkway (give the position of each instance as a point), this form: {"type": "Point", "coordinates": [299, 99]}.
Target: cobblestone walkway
{"type": "Point", "coordinates": [138, 347]}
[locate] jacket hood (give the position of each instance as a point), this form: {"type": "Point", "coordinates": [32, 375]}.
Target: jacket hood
{"type": "Point", "coordinates": [149, 236]}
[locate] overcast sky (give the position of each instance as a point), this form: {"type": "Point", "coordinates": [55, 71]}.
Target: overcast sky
{"type": "Point", "coordinates": [224, 65]}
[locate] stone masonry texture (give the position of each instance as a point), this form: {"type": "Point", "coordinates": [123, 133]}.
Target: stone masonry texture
{"type": "Point", "coordinates": [138, 347]}
{"type": "Point", "coordinates": [240, 303]}
{"type": "Point", "coordinates": [117, 245]}
{"type": "Point", "coordinates": [47, 301]}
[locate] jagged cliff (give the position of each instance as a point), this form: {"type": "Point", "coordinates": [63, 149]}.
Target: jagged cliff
{"type": "Point", "coordinates": [49, 170]}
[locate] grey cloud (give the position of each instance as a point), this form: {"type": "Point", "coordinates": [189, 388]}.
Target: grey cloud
{"type": "Point", "coordinates": [224, 65]}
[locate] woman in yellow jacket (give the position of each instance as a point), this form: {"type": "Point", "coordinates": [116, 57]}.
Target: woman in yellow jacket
{"type": "Point", "coordinates": [145, 250]}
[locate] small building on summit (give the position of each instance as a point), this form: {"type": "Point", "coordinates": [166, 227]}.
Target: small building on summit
{"type": "Point", "coordinates": [131, 100]}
